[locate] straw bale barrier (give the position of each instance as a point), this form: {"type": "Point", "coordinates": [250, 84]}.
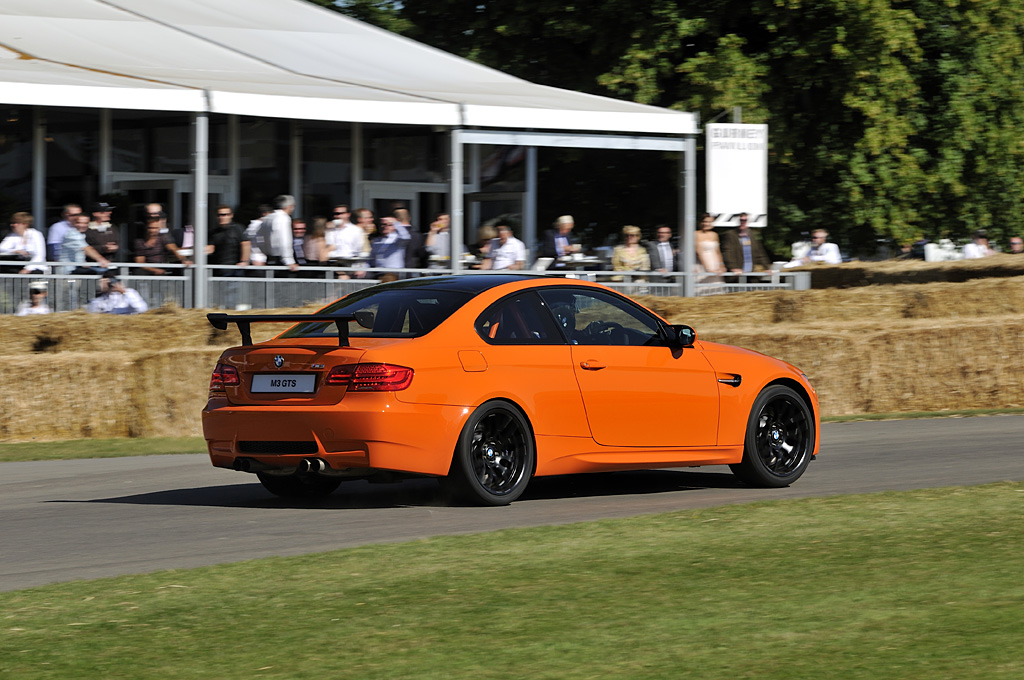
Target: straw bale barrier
{"type": "Point", "coordinates": [937, 346]}
{"type": "Point", "coordinates": [852, 274]}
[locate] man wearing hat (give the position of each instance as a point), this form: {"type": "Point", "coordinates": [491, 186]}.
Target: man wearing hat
{"type": "Point", "coordinates": [114, 298]}
{"type": "Point", "coordinates": [102, 235]}
{"type": "Point", "coordinates": [559, 241]}
{"type": "Point", "coordinates": [36, 303]}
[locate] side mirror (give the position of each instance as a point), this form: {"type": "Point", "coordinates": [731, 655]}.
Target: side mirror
{"type": "Point", "coordinates": [685, 335]}
{"type": "Point", "coordinates": [365, 319]}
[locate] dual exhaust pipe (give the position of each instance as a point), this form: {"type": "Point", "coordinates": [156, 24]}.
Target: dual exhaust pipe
{"type": "Point", "coordinates": [306, 465]}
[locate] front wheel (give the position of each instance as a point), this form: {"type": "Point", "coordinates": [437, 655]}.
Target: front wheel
{"type": "Point", "coordinates": [494, 457]}
{"type": "Point", "coordinates": [779, 440]}
{"type": "Point", "coordinates": [298, 486]}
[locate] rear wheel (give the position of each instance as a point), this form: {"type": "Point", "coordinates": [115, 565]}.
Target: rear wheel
{"type": "Point", "coordinates": [494, 457]}
{"type": "Point", "coordinates": [779, 440]}
{"type": "Point", "coordinates": [298, 486]}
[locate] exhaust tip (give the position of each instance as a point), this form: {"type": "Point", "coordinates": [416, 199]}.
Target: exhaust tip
{"type": "Point", "coordinates": [313, 465]}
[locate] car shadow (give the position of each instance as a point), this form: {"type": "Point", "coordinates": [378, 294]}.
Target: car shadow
{"type": "Point", "coordinates": [361, 494]}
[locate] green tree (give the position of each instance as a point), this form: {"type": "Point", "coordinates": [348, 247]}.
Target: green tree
{"type": "Point", "coordinates": [888, 118]}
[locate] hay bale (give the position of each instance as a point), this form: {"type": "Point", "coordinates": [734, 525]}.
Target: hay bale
{"type": "Point", "coordinates": [935, 346]}
{"type": "Point", "coordinates": [895, 272]}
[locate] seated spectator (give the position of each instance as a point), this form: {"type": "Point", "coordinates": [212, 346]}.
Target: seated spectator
{"type": "Point", "coordinates": [102, 235]}
{"type": "Point", "coordinates": [979, 247]}
{"type": "Point", "coordinates": [630, 256]}
{"type": "Point", "coordinates": [74, 248]}
{"type": "Point", "coordinates": [24, 245]}
{"type": "Point", "coordinates": [114, 298]}
{"type": "Point", "coordinates": [157, 246]}
{"type": "Point", "coordinates": [390, 247]}
{"type": "Point", "coordinates": [821, 250]}
{"type": "Point", "coordinates": [1016, 245]}
{"type": "Point", "coordinates": [36, 303]}
{"type": "Point", "coordinates": [506, 251]}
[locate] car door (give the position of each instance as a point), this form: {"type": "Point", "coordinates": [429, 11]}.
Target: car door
{"type": "Point", "coordinates": [636, 390]}
{"type": "Point", "coordinates": [527, 357]}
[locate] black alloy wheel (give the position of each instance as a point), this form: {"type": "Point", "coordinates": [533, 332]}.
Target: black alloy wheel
{"type": "Point", "coordinates": [495, 456]}
{"type": "Point", "coordinates": [779, 440]}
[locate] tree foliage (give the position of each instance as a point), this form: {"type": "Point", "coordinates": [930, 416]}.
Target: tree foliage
{"type": "Point", "coordinates": [889, 119]}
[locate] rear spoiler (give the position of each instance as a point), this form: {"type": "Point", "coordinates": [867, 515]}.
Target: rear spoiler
{"type": "Point", "coordinates": [221, 321]}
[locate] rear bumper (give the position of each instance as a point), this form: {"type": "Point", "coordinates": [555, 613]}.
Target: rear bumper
{"type": "Point", "coordinates": [370, 431]}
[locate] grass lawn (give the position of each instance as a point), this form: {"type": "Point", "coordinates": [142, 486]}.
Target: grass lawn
{"type": "Point", "coordinates": [99, 448]}
{"type": "Point", "coordinates": [923, 584]}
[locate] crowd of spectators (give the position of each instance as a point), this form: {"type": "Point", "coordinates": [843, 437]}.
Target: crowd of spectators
{"type": "Point", "coordinates": [360, 244]}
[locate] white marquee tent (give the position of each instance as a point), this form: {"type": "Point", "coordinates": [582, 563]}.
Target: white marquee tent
{"type": "Point", "coordinates": [293, 59]}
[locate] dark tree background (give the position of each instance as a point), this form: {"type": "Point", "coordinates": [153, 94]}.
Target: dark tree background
{"type": "Point", "coordinates": [888, 120]}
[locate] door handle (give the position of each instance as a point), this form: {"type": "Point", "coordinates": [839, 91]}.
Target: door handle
{"type": "Point", "coordinates": [591, 365]}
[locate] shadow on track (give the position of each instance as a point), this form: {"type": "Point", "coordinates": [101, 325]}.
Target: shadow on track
{"type": "Point", "coordinates": [428, 493]}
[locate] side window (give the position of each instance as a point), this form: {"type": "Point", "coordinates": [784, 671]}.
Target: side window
{"type": "Point", "coordinates": [596, 318]}
{"type": "Point", "coordinates": [518, 320]}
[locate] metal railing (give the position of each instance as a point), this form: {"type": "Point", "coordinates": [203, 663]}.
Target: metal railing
{"type": "Point", "coordinates": [240, 288]}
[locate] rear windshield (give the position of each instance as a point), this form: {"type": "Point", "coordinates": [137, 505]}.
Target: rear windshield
{"type": "Point", "coordinates": [389, 313]}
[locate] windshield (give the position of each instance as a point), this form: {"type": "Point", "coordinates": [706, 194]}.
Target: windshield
{"type": "Point", "coordinates": [386, 313]}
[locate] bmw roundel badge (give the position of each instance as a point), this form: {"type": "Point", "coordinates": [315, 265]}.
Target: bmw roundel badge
{"type": "Point", "coordinates": [278, 360]}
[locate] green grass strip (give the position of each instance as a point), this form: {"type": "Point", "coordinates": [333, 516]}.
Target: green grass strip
{"type": "Point", "coordinates": [100, 448]}
{"type": "Point", "coordinates": [922, 584]}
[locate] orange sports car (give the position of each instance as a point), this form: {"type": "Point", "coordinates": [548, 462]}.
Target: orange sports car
{"type": "Point", "coordinates": [488, 380]}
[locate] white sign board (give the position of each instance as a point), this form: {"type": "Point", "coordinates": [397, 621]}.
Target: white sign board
{"type": "Point", "coordinates": [736, 157]}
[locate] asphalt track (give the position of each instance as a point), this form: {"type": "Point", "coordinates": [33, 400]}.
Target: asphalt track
{"type": "Point", "coordinates": [84, 519]}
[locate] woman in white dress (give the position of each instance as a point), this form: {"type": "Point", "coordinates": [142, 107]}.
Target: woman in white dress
{"type": "Point", "coordinates": [709, 252]}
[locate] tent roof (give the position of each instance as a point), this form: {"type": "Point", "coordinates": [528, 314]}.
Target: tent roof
{"type": "Point", "coordinates": [276, 58]}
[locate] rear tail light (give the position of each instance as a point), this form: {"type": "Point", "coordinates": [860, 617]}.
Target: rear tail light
{"type": "Point", "coordinates": [223, 375]}
{"type": "Point", "coordinates": [371, 377]}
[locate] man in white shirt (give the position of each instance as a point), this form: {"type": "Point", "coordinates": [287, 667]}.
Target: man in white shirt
{"type": "Point", "coordinates": [74, 248]}
{"type": "Point", "coordinates": [274, 238]}
{"type": "Point", "coordinates": [114, 298]}
{"type": "Point", "coordinates": [821, 250]}
{"type": "Point", "coordinates": [506, 252]}
{"type": "Point", "coordinates": [55, 234]}
{"type": "Point", "coordinates": [978, 248]}
{"type": "Point", "coordinates": [344, 237]}
{"type": "Point", "coordinates": [25, 244]}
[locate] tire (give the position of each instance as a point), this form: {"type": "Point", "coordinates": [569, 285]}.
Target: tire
{"type": "Point", "coordinates": [298, 486]}
{"type": "Point", "coordinates": [495, 456]}
{"type": "Point", "coordinates": [779, 439]}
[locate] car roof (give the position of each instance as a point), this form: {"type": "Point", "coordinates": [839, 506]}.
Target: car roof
{"type": "Point", "coordinates": [473, 284]}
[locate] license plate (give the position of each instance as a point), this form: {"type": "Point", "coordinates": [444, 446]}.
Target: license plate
{"type": "Point", "coordinates": [284, 382]}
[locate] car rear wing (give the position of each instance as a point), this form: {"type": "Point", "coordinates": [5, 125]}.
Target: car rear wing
{"type": "Point", "coordinates": [221, 321]}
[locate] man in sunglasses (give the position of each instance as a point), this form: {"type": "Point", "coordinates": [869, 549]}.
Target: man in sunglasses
{"type": "Point", "coordinates": [229, 245]}
{"type": "Point", "coordinates": [55, 234]}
